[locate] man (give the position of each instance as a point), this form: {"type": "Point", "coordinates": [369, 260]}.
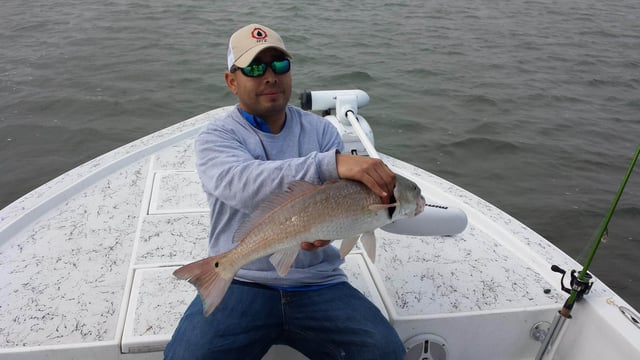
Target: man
{"type": "Point", "coordinates": [256, 149]}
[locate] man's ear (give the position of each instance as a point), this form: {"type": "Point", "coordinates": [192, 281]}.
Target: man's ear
{"type": "Point", "coordinates": [230, 80]}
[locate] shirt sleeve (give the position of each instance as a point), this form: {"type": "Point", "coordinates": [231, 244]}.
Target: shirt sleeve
{"type": "Point", "coordinates": [233, 168]}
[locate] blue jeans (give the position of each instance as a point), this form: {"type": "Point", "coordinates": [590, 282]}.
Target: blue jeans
{"type": "Point", "coordinates": [336, 322]}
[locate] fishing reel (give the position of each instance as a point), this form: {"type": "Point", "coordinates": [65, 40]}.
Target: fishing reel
{"type": "Point", "coordinates": [581, 287]}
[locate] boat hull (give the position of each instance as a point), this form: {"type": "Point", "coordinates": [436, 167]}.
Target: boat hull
{"type": "Point", "coordinates": [86, 263]}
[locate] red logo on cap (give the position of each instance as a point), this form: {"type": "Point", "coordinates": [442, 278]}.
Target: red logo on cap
{"type": "Point", "coordinates": [258, 34]}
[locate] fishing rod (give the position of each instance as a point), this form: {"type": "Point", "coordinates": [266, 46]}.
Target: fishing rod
{"type": "Point", "coordinates": [581, 284]}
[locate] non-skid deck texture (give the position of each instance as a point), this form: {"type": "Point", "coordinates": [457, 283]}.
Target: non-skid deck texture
{"type": "Point", "coordinates": [97, 265]}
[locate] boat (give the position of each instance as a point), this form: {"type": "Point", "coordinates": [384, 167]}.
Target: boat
{"type": "Point", "coordinates": [86, 262]}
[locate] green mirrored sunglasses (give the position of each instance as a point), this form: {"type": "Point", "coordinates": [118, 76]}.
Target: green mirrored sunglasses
{"type": "Point", "coordinates": [259, 68]}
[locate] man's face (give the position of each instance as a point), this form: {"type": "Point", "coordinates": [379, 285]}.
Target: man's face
{"type": "Point", "coordinates": [265, 96]}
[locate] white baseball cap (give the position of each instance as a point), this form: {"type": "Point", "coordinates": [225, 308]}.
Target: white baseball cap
{"type": "Point", "coordinates": [247, 42]}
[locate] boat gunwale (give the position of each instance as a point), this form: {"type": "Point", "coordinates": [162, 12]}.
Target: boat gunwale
{"type": "Point", "coordinates": [23, 211]}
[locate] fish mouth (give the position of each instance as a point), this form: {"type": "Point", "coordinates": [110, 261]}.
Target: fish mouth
{"type": "Point", "coordinates": [420, 205]}
{"type": "Point", "coordinates": [392, 209]}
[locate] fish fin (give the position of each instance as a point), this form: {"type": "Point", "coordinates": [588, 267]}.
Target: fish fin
{"type": "Point", "coordinates": [283, 259]}
{"type": "Point", "coordinates": [347, 245]}
{"type": "Point", "coordinates": [295, 190]}
{"type": "Point", "coordinates": [368, 240]}
{"type": "Point", "coordinates": [211, 285]}
{"type": "Point", "coordinates": [376, 207]}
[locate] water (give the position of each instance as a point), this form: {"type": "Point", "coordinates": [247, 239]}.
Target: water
{"type": "Point", "coordinates": [532, 105]}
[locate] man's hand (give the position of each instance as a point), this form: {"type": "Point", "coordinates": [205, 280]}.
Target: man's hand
{"type": "Point", "coordinates": [370, 171]}
{"type": "Point", "coordinates": [313, 246]}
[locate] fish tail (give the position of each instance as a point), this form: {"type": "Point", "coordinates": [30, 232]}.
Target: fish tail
{"type": "Point", "coordinates": [206, 277]}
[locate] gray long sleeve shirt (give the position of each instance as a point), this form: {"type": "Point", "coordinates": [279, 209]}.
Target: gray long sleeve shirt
{"type": "Point", "coordinates": [239, 166]}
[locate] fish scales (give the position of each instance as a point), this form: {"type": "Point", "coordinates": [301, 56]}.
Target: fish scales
{"type": "Point", "coordinates": [306, 212]}
{"type": "Point", "coordinates": [310, 218]}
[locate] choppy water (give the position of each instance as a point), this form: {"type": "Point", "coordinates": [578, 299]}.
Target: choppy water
{"type": "Point", "coordinates": [532, 105]}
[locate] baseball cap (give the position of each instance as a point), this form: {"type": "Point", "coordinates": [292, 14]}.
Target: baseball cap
{"type": "Point", "coordinates": [247, 42]}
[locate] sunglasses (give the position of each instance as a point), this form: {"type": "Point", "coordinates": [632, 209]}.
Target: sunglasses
{"type": "Point", "coordinates": [259, 68]}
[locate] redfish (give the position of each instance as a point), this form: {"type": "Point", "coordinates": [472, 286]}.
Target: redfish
{"type": "Point", "coordinates": [341, 209]}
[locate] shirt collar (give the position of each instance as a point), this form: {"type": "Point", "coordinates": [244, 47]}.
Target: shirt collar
{"type": "Point", "coordinates": [257, 122]}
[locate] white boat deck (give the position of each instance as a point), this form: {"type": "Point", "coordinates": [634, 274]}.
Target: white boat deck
{"type": "Point", "coordinates": [86, 263]}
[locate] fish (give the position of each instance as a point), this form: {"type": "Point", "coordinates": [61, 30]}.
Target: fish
{"type": "Point", "coordinates": [305, 212]}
